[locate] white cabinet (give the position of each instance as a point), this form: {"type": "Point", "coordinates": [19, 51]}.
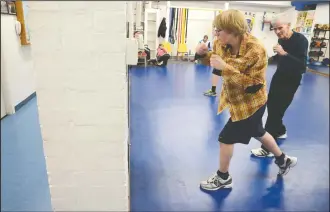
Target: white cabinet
{"type": "Point", "coordinates": [151, 25]}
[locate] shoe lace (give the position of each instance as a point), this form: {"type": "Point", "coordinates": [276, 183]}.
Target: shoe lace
{"type": "Point", "coordinates": [212, 179]}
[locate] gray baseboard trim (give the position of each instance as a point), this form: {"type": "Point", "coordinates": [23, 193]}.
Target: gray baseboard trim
{"type": "Point", "coordinates": [22, 103]}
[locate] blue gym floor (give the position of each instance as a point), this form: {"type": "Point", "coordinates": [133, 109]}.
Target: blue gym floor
{"type": "Point", "coordinates": [24, 183]}
{"type": "Point", "coordinates": [322, 69]}
{"type": "Point", "coordinates": [174, 130]}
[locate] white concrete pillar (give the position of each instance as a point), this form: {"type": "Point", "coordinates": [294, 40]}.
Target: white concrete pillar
{"type": "Point", "coordinates": [138, 17]}
{"type": "Point", "coordinates": [168, 21]}
{"type": "Point", "coordinates": [79, 60]}
{"type": "Point", "coordinates": [148, 4]}
{"type": "Point", "coordinates": [6, 89]}
{"type": "Point", "coordinates": [130, 17]}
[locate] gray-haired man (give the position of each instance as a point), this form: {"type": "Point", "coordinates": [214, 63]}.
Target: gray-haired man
{"type": "Point", "coordinates": [292, 51]}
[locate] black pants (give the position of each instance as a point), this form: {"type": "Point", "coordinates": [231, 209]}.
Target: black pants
{"type": "Point", "coordinates": [164, 58]}
{"type": "Point", "coordinates": [197, 57]}
{"type": "Point", "coordinates": [281, 92]}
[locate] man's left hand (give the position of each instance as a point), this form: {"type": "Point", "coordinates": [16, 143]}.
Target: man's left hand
{"type": "Point", "coordinates": [280, 51]}
{"type": "Point", "coordinates": [217, 62]}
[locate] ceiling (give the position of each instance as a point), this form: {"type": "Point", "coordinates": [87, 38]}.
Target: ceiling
{"type": "Point", "coordinates": [278, 4]}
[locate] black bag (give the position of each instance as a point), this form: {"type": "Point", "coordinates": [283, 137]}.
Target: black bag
{"type": "Point", "coordinates": [162, 28]}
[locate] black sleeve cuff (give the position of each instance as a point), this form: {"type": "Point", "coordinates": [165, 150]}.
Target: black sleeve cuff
{"type": "Point", "coordinates": [253, 88]}
{"type": "Point", "coordinates": [217, 72]}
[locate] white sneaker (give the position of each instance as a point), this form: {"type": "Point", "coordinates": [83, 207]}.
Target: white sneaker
{"type": "Point", "coordinates": [288, 164]}
{"type": "Point", "coordinates": [260, 152]}
{"type": "Point", "coordinates": [215, 182]}
{"type": "Point", "coordinates": [284, 136]}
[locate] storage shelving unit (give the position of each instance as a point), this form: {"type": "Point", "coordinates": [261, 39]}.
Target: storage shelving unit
{"type": "Point", "coordinates": [317, 52]}
{"type": "Point", "coordinates": [151, 25]}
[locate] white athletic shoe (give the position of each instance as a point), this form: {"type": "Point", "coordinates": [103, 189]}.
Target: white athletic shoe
{"type": "Point", "coordinates": [215, 182]}
{"type": "Point", "coordinates": [259, 152]}
{"type": "Point", "coordinates": [288, 164]}
{"type": "Point", "coordinates": [284, 136]}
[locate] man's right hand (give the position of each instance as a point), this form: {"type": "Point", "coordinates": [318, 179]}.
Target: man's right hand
{"type": "Point", "coordinates": [202, 49]}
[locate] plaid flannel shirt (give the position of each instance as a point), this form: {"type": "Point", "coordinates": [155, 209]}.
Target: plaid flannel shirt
{"type": "Point", "coordinates": [246, 69]}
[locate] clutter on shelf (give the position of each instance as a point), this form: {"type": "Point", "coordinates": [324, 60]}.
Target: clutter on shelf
{"type": "Point", "coordinates": [8, 7]}
{"type": "Point", "coordinates": [319, 45]}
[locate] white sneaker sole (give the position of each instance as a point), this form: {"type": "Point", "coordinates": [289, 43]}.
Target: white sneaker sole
{"type": "Point", "coordinates": [229, 186]}
{"type": "Point", "coordinates": [206, 94]}
{"type": "Point", "coordinates": [270, 155]}
{"type": "Point", "coordinates": [293, 164]}
{"type": "Point", "coordinates": [282, 136]}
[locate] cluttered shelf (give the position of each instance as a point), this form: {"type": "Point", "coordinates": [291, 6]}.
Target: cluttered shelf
{"type": "Point", "coordinates": [319, 45]}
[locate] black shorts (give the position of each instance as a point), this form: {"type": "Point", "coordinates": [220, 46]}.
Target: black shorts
{"type": "Point", "coordinates": [216, 72]}
{"type": "Point", "coordinates": [242, 131]}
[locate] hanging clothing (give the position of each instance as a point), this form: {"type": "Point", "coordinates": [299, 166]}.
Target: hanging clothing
{"type": "Point", "coordinates": [162, 28]}
{"type": "Point", "coordinates": [187, 11]}
{"type": "Point", "coordinates": [179, 25]}
{"type": "Point", "coordinates": [176, 24]}
{"type": "Point", "coordinates": [173, 28]}
{"type": "Point", "coordinates": [171, 31]}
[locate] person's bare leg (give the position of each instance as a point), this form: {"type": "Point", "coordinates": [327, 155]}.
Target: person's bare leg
{"type": "Point", "coordinates": [221, 179]}
{"type": "Point", "coordinates": [284, 162]}
{"type": "Point", "coordinates": [226, 152]}
{"type": "Point", "coordinates": [214, 82]}
{"type": "Point", "coordinates": [269, 142]}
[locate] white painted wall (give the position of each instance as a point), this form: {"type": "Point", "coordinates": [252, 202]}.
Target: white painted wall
{"type": "Point", "coordinates": [3, 107]}
{"type": "Point", "coordinates": [199, 24]}
{"type": "Point", "coordinates": [17, 75]}
{"type": "Point", "coordinates": [264, 3]}
{"type": "Point", "coordinates": [221, 5]}
{"type": "Point", "coordinates": [82, 101]}
{"type": "Point", "coordinates": [201, 15]}
{"type": "Point", "coordinates": [268, 37]}
{"type": "Point", "coordinates": [162, 8]}
{"type": "Point", "coordinates": [322, 13]}
{"type": "Point", "coordinates": [322, 17]}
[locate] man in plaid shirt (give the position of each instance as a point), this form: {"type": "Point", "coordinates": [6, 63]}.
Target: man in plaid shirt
{"type": "Point", "coordinates": [243, 62]}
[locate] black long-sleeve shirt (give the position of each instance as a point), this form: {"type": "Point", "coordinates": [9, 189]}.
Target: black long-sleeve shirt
{"type": "Point", "coordinates": [296, 60]}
